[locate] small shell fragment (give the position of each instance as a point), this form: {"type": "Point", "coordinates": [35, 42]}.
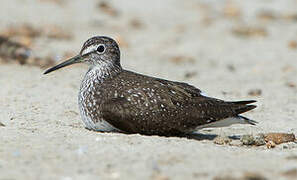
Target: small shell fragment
{"type": "Point", "coordinates": [247, 140]}
{"type": "Point", "coordinates": [259, 139]}
{"type": "Point", "coordinates": [221, 140]}
{"type": "Point", "coordinates": [270, 144]}
{"type": "Point", "coordinates": [270, 139]}
{"type": "Point", "coordinates": [279, 138]}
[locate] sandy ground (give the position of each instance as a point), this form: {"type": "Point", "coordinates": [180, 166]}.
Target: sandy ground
{"type": "Point", "coordinates": [226, 48]}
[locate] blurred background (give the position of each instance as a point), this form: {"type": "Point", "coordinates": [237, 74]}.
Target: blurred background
{"type": "Point", "coordinates": [190, 39]}
{"type": "Point", "coordinates": [231, 49]}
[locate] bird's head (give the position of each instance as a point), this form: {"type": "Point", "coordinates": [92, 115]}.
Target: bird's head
{"type": "Point", "coordinates": [98, 51]}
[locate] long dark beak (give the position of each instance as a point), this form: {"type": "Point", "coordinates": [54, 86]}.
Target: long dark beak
{"type": "Point", "coordinates": [75, 59]}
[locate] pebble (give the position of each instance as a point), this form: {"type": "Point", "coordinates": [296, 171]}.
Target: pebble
{"type": "Point", "coordinates": [221, 140]}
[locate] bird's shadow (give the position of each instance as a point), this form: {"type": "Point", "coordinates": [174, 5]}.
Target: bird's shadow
{"type": "Point", "coordinates": [195, 136]}
{"type": "Point", "coordinates": [200, 136]}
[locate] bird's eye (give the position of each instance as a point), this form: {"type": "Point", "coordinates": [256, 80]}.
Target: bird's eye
{"type": "Point", "coordinates": [101, 48]}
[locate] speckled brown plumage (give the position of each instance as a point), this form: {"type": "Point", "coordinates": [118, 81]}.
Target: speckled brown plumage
{"type": "Point", "coordinates": [113, 99]}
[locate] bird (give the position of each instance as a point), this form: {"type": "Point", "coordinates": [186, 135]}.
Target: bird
{"type": "Point", "coordinates": [112, 99]}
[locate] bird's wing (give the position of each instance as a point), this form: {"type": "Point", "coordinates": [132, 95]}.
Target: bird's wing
{"type": "Point", "coordinates": [203, 107]}
{"type": "Point", "coordinates": [180, 86]}
{"type": "Point", "coordinates": [157, 83]}
{"type": "Point", "coordinates": [118, 112]}
{"type": "Point", "coordinates": [159, 104]}
{"type": "Point", "coordinates": [209, 110]}
{"type": "Point", "coordinates": [182, 116]}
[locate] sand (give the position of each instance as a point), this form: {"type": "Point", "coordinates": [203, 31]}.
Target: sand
{"type": "Point", "coordinates": [223, 47]}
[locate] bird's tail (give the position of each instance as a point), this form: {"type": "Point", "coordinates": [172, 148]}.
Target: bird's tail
{"type": "Point", "coordinates": [238, 108]}
{"type": "Point", "coordinates": [247, 120]}
{"type": "Point", "coordinates": [244, 106]}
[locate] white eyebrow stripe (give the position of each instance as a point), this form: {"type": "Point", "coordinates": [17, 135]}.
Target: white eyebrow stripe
{"type": "Point", "coordinates": [90, 49]}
